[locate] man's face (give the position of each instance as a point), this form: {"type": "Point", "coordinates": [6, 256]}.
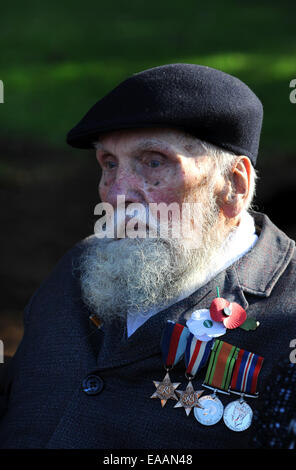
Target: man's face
{"type": "Point", "coordinates": [150, 166]}
{"type": "Point", "coordinates": [134, 275]}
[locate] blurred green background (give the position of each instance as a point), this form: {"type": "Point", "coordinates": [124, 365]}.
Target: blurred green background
{"type": "Point", "coordinates": [59, 57]}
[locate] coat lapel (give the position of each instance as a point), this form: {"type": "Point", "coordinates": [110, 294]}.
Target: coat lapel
{"type": "Point", "coordinates": [117, 350]}
{"type": "Point", "coordinates": [255, 273]}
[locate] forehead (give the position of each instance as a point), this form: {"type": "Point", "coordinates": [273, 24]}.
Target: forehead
{"type": "Point", "coordinates": [163, 138]}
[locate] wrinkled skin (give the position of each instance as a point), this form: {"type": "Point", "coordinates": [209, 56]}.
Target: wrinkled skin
{"type": "Point", "coordinates": [165, 165]}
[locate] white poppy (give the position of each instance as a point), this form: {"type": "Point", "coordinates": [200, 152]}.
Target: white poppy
{"type": "Point", "coordinates": [201, 325]}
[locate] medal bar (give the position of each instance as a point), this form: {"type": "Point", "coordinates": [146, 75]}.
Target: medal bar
{"type": "Point", "coordinates": [215, 389]}
{"type": "Point", "coordinates": [242, 394]}
{"type": "Point", "coordinates": [230, 370]}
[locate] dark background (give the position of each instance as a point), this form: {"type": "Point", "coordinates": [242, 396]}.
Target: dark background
{"type": "Point", "coordinates": [59, 57]}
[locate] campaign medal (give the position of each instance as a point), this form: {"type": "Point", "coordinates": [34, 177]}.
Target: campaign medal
{"type": "Point", "coordinates": [165, 390]}
{"type": "Point", "coordinates": [211, 410]}
{"type": "Point", "coordinates": [196, 356]}
{"type": "Point", "coordinates": [238, 414]}
{"type": "Point", "coordinates": [218, 376]}
{"type": "Point", "coordinates": [173, 344]}
{"type": "Point", "coordinates": [189, 398]}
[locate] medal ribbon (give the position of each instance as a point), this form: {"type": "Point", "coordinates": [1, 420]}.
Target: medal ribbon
{"type": "Point", "coordinates": [221, 363]}
{"type": "Point", "coordinates": [173, 343]}
{"type": "Point", "coordinates": [246, 372]}
{"type": "Point", "coordinates": [196, 354]}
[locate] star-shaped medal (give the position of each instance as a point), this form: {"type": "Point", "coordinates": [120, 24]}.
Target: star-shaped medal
{"type": "Point", "coordinates": [165, 390]}
{"type": "Point", "coordinates": [189, 398]}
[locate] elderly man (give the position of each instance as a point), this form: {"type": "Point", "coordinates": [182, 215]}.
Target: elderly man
{"type": "Point", "coordinates": [160, 342]}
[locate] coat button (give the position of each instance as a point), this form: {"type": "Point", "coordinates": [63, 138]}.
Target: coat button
{"type": "Point", "coordinates": [92, 384]}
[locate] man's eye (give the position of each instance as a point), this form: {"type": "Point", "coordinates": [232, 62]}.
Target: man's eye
{"type": "Point", "coordinates": [109, 164]}
{"type": "Point", "coordinates": [154, 163]}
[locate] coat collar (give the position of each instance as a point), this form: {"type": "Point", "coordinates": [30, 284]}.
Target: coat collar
{"type": "Point", "coordinates": [256, 273]}
{"type": "Point", "coordinates": [259, 270]}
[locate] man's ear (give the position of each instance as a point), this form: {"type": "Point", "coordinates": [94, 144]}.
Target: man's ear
{"type": "Point", "coordinates": [238, 188]}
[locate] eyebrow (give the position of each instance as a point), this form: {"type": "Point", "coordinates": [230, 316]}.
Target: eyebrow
{"type": "Point", "coordinates": [144, 145]}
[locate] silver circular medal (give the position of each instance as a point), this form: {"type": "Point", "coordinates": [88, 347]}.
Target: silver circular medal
{"type": "Point", "coordinates": [238, 415]}
{"type": "Point", "coordinates": [211, 411]}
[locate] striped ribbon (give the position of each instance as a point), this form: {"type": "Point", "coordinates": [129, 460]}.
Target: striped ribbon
{"type": "Point", "coordinates": [173, 343]}
{"type": "Point", "coordinates": [221, 363]}
{"type": "Point", "coordinates": [196, 354]}
{"type": "Point", "coordinates": [246, 372]}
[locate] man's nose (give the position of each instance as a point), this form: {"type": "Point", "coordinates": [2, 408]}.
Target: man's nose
{"type": "Point", "coordinates": [127, 185]}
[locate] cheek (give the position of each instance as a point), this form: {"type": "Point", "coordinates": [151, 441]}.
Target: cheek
{"type": "Point", "coordinates": [167, 187]}
{"type": "Point", "coordinates": [104, 186]}
{"type": "Point", "coordinates": [164, 193]}
{"type": "Point", "coordinates": [194, 184]}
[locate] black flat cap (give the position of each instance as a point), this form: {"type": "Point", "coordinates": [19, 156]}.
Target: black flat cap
{"type": "Point", "coordinates": [212, 105]}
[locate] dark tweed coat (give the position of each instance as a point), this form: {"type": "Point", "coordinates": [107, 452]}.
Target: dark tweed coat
{"type": "Point", "coordinates": [44, 405]}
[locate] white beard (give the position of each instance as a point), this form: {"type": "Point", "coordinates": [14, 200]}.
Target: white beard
{"type": "Point", "coordinates": [135, 275]}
